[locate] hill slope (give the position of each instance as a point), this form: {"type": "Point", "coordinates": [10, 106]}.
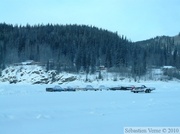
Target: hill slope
{"type": "Point", "coordinates": [70, 47]}
{"type": "Point", "coordinates": [76, 48]}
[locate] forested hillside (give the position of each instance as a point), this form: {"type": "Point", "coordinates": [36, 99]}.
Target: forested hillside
{"type": "Point", "coordinates": [74, 48]}
{"type": "Point", "coordinates": [162, 51]}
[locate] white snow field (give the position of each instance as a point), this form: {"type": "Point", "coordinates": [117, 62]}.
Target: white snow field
{"type": "Point", "coordinates": [28, 109]}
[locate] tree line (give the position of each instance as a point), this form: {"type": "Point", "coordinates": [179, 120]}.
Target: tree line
{"type": "Point", "coordinates": [74, 48]}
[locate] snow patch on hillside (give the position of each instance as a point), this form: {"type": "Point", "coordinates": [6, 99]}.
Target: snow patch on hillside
{"type": "Point", "coordinates": [29, 74]}
{"type": "Point", "coordinates": [26, 72]}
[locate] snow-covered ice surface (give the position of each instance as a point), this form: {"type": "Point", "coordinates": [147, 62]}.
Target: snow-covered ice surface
{"type": "Point", "coordinates": [28, 109]}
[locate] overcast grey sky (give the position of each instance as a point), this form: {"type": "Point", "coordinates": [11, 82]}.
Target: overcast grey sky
{"type": "Point", "coordinates": [136, 19]}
